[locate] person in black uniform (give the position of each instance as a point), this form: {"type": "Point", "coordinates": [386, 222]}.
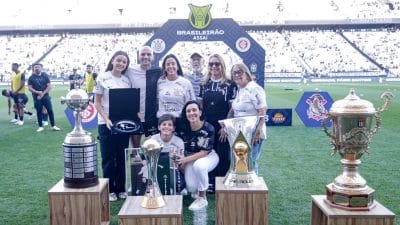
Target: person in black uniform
{"type": "Point", "coordinates": [199, 156]}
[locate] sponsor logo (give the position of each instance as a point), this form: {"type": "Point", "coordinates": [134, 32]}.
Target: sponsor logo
{"type": "Point", "coordinates": [278, 118]}
{"type": "Point", "coordinates": [200, 16]}
{"type": "Point", "coordinates": [253, 67]}
{"type": "Point", "coordinates": [242, 44]}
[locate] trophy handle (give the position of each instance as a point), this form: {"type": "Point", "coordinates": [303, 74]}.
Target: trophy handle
{"type": "Point", "coordinates": [388, 96]}
{"type": "Point", "coordinates": [325, 129]}
{"type": "Point", "coordinates": [333, 138]}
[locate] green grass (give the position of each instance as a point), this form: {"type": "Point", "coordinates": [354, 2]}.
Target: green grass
{"type": "Point", "coordinates": [295, 161]}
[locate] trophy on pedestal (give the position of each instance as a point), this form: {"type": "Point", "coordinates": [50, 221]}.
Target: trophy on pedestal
{"type": "Point", "coordinates": [352, 120]}
{"type": "Point", "coordinates": [79, 147]}
{"type": "Point", "coordinates": [240, 134]}
{"type": "Point", "coordinates": [153, 198]}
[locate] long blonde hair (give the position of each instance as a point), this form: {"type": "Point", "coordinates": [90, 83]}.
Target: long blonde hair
{"type": "Point", "coordinates": [223, 69]}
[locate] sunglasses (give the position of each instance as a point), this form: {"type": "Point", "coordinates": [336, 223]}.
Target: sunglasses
{"type": "Point", "coordinates": [237, 73]}
{"type": "Point", "coordinates": [211, 64]}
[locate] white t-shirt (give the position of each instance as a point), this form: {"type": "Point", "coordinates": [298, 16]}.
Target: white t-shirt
{"type": "Point", "coordinates": [105, 82]}
{"type": "Point", "coordinates": [248, 101]}
{"type": "Point", "coordinates": [175, 143]}
{"type": "Point", "coordinates": [137, 77]}
{"type": "Point", "coordinates": [172, 95]}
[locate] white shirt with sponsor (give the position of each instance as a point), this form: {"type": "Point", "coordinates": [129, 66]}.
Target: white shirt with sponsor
{"type": "Point", "coordinates": [175, 144]}
{"type": "Point", "coordinates": [172, 95]}
{"type": "Point", "coordinates": [137, 77]}
{"type": "Point", "coordinates": [105, 82]}
{"type": "Point", "coordinates": [249, 100]}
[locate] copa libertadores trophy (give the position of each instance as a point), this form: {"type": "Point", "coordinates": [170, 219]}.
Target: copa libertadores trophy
{"type": "Point", "coordinates": [79, 147]}
{"type": "Point", "coordinates": [240, 134]}
{"type": "Point", "coordinates": [153, 198]}
{"type": "Point", "coordinates": [352, 120]}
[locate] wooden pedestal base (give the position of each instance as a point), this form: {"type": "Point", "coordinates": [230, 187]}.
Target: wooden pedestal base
{"type": "Point", "coordinates": [83, 206]}
{"type": "Point", "coordinates": [241, 206]}
{"type": "Point", "coordinates": [324, 214]}
{"type": "Point", "coordinates": [132, 213]}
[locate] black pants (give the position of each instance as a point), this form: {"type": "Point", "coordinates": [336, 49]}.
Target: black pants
{"type": "Point", "coordinates": [112, 148]}
{"type": "Point", "coordinates": [46, 103]}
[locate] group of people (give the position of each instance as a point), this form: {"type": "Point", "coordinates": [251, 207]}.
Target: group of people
{"type": "Point", "coordinates": [39, 85]}
{"type": "Point", "coordinates": [182, 111]}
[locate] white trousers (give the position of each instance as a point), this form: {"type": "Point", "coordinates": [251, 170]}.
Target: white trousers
{"type": "Point", "coordinates": [196, 172]}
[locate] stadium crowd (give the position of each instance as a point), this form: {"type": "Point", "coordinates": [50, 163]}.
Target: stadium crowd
{"type": "Point", "coordinates": [288, 53]}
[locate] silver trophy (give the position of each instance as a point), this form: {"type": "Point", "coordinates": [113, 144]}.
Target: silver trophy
{"type": "Point", "coordinates": [153, 198]}
{"type": "Point", "coordinates": [79, 147]}
{"type": "Point", "coordinates": [352, 120]}
{"type": "Point", "coordinates": [240, 135]}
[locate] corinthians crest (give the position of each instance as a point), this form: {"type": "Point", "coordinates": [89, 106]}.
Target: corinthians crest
{"type": "Point", "coordinates": [200, 16]}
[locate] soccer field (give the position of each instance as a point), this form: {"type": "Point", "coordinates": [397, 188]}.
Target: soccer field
{"type": "Point", "coordinates": [295, 161]}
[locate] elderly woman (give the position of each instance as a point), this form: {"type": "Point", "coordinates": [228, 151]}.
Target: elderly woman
{"type": "Point", "coordinates": [199, 156]}
{"type": "Point", "coordinates": [250, 101]}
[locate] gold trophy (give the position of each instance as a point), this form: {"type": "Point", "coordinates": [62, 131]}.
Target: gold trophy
{"type": "Point", "coordinates": [153, 198]}
{"type": "Point", "coordinates": [240, 134]}
{"type": "Point", "coordinates": [352, 120]}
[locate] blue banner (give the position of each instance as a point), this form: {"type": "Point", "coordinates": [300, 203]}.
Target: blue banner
{"type": "Point", "coordinates": [224, 29]}
{"type": "Point", "coordinates": [312, 108]}
{"type": "Point", "coordinates": [89, 117]}
{"type": "Point", "coordinates": [279, 117]}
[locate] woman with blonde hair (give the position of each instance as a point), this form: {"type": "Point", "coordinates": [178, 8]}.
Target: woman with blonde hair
{"type": "Point", "coordinates": [216, 94]}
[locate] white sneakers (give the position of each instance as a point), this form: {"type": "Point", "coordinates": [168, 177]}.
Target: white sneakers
{"type": "Point", "coordinates": [45, 123]}
{"type": "Point", "coordinates": [195, 195]}
{"type": "Point", "coordinates": [19, 122]}
{"type": "Point", "coordinates": [54, 128]}
{"type": "Point", "coordinates": [13, 121]}
{"type": "Point", "coordinates": [198, 204]}
{"type": "Point", "coordinates": [123, 195]}
{"type": "Point", "coordinates": [112, 197]}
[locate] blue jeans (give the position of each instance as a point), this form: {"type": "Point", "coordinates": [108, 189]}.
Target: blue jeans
{"type": "Point", "coordinates": [255, 154]}
{"type": "Point", "coordinates": [112, 147]}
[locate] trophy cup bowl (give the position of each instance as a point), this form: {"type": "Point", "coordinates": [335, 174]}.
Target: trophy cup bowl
{"type": "Point", "coordinates": [352, 120]}
{"type": "Point", "coordinates": [240, 134]}
{"type": "Point", "coordinates": [153, 198]}
{"type": "Point", "coordinates": [79, 147]}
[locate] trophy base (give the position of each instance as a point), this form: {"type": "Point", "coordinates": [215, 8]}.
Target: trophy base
{"type": "Point", "coordinates": [350, 200]}
{"type": "Point", "coordinates": [81, 183]}
{"type": "Point", "coordinates": [241, 180]}
{"type": "Point", "coordinates": [152, 202]}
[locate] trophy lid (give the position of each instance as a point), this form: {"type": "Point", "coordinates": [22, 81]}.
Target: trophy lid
{"type": "Point", "coordinates": [352, 104]}
{"type": "Point", "coordinates": [77, 94]}
{"type": "Point", "coordinates": [151, 145]}
{"type": "Point", "coordinates": [76, 99]}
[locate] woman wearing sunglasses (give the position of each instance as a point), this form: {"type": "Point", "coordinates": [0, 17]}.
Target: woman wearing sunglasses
{"type": "Point", "coordinates": [216, 94]}
{"type": "Point", "coordinates": [250, 101]}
